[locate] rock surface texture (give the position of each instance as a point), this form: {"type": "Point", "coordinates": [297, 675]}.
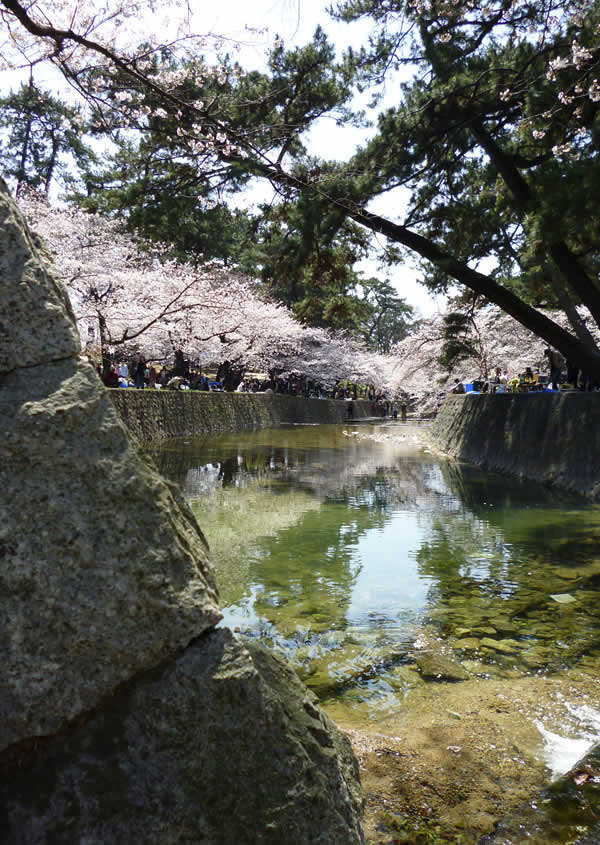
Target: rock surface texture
{"type": "Point", "coordinates": [436, 660]}
{"type": "Point", "coordinates": [169, 754]}
{"type": "Point", "coordinates": [124, 715]}
{"type": "Point", "coordinates": [104, 571]}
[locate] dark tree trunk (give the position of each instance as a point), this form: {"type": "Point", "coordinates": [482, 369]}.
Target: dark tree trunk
{"type": "Point", "coordinates": [106, 359]}
{"type": "Point", "coordinates": [51, 165]}
{"type": "Point", "coordinates": [570, 346]}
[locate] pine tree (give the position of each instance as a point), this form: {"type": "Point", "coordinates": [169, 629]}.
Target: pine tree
{"type": "Point", "coordinates": [42, 142]}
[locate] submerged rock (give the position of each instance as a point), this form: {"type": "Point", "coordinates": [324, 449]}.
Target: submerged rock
{"type": "Point", "coordinates": [507, 646]}
{"type": "Point", "coordinates": [568, 807]}
{"type": "Point", "coordinates": [436, 660]}
{"type": "Point", "coordinates": [468, 643]}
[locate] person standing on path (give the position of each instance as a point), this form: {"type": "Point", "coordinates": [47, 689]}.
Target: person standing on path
{"type": "Point", "coordinates": [140, 373]}
{"type": "Point", "coordinates": [555, 364]}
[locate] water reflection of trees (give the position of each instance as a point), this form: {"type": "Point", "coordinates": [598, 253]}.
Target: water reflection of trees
{"type": "Point", "coordinates": [321, 459]}
{"type": "Point", "coordinates": [468, 560]}
{"type": "Point", "coordinates": [234, 519]}
{"type": "Point", "coordinates": [302, 573]}
{"type": "Point", "coordinates": [286, 511]}
{"type": "Point", "coordinates": [496, 566]}
{"type": "Point", "coordinates": [327, 461]}
{"type": "Point", "coordinates": [542, 523]}
{"type": "Point", "coordinates": [304, 578]}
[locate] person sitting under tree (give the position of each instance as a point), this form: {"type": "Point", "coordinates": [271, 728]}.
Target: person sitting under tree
{"type": "Point", "coordinates": [459, 387]}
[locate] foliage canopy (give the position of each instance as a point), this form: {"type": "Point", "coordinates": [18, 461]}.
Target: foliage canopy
{"type": "Point", "coordinates": [493, 135]}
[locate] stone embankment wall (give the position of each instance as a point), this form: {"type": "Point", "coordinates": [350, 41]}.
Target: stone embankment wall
{"type": "Point", "coordinates": [158, 415]}
{"type": "Point", "coordinates": [553, 438]}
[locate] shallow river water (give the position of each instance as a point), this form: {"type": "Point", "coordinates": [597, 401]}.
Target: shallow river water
{"type": "Point", "coordinates": [348, 547]}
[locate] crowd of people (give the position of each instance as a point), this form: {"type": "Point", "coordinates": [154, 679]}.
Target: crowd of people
{"type": "Point", "coordinates": [140, 374]}
{"type": "Point", "coordinates": [562, 375]}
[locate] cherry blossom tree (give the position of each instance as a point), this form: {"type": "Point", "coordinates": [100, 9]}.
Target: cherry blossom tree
{"type": "Point", "coordinates": [136, 301]}
{"type": "Point", "coordinates": [501, 342]}
{"type": "Point", "coordinates": [491, 137]}
{"type": "Point", "coordinates": [125, 293]}
{"type": "Point", "coordinates": [133, 299]}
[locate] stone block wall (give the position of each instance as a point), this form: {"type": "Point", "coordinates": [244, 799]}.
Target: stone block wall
{"type": "Point", "coordinates": [553, 438]}
{"type": "Point", "coordinates": [158, 415]}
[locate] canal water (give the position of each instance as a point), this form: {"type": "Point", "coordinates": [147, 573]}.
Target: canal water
{"type": "Point", "coordinates": [347, 547]}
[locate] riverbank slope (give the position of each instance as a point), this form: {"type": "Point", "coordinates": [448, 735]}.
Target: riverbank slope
{"type": "Point", "coordinates": [552, 438]}
{"type": "Point", "coordinates": [160, 415]}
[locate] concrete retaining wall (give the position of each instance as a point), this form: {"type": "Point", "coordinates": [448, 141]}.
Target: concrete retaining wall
{"type": "Point", "coordinates": [552, 438]}
{"type": "Point", "coordinates": [158, 415]}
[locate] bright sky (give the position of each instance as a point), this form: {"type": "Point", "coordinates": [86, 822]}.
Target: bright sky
{"type": "Point", "coordinates": [252, 28]}
{"type": "Point", "coordinates": [295, 22]}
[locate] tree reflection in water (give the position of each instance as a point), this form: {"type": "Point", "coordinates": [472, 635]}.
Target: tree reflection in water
{"type": "Point", "coordinates": [337, 548]}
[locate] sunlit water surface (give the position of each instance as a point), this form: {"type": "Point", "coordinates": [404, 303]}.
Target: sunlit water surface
{"type": "Point", "coordinates": [340, 546]}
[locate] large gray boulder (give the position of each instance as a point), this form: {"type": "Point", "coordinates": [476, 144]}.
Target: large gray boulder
{"type": "Point", "coordinates": [103, 570]}
{"type": "Point", "coordinates": [223, 745]}
{"type": "Point", "coordinates": [36, 321]}
{"type": "Point", "coordinates": [125, 716]}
